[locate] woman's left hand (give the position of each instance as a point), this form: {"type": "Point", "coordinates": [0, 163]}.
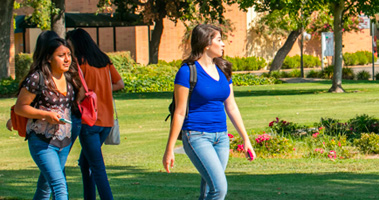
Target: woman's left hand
{"type": "Point", "coordinates": [246, 148]}
{"type": "Point", "coordinates": [9, 125]}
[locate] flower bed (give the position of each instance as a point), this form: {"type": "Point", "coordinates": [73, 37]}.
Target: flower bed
{"type": "Point", "coordinates": [329, 139]}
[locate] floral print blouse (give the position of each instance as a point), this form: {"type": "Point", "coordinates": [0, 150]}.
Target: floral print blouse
{"type": "Point", "coordinates": [56, 134]}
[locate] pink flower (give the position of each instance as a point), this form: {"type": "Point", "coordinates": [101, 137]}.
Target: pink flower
{"type": "Point", "coordinates": [240, 148]}
{"type": "Point", "coordinates": [262, 138]}
{"type": "Point", "coordinates": [315, 135]}
{"type": "Point", "coordinates": [323, 143]}
{"type": "Point", "coordinates": [294, 149]}
{"type": "Point", "coordinates": [339, 144]}
{"type": "Point", "coordinates": [320, 128]}
{"type": "Point", "coordinates": [230, 135]}
{"type": "Point", "coordinates": [319, 150]}
{"type": "Point", "coordinates": [332, 155]}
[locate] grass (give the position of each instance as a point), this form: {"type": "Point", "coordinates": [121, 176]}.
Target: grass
{"type": "Point", "coordinates": [135, 170]}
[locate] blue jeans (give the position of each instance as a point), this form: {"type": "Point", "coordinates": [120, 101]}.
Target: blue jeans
{"type": "Point", "coordinates": [92, 163]}
{"type": "Point", "coordinates": [43, 188]}
{"type": "Point", "coordinates": [50, 160]}
{"type": "Point", "coordinates": [209, 153]}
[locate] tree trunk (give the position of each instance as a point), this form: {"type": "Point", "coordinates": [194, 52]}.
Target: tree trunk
{"type": "Point", "coordinates": [57, 20]}
{"type": "Point", "coordinates": [337, 73]}
{"type": "Point", "coordinates": [284, 50]}
{"type": "Point", "coordinates": [6, 12]}
{"type": "Point", "coordinates": [155, 41]}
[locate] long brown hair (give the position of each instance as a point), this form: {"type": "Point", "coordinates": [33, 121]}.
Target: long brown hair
{"type": "Point", "coordinates": [201, 37]}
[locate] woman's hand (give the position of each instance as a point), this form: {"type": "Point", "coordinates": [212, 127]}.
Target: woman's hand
{"type": "Point", "coordinates": [52, 117]}
{"type": "Point", "coordinates": [246, 147]}
{"type": "Point", "coordinates": [168, 160]}
{"type": "Point", "coordinates": [9, 124]}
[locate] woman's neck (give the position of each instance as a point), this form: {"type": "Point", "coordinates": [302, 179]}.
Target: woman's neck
{"type": "Point", "coordinates": [206, 61]}
{"type": "Point", "coordinates": [57, 75]}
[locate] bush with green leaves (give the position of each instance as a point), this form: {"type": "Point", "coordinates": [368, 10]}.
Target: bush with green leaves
{"type": "Point", "coordinates": [358, 58]}
{"type": "Point", "coordinates": [23, 62]}
{"type": "Point", "coordinates": [285, 128]}
{"type": "Point", "coordinates": [247, 63]}
{"type": "Point", "coordinates": [363, 124]}
{"type": "Point", "coordinates": [334, 127]}
{"type": "Point", "coordinates": [320, 145]}
{"type": "Point", "coordinates": [348, 73]}
{"type": "Point", "coordinates": [363, 75]}
{"type": "Point", "coordinates": [251, 79]}
{"type": "Point", "coordinates": [265, 145]}
{"type": "Point", "coordinates": [122, 61]}
{"type": "Point", "coordinates": [294, 62]}
{"type": "Point", "coordinates": [8, 87]}
{"type": "Point", "coordinates": [368, 143]}
{"type": "Point", "coordinates": [314, 74]}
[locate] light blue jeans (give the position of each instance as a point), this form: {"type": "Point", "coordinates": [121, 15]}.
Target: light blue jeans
{"type": "Point", "coordinates": [209, 153]}
{"type": "Point", "coordinates": [50, 161]}
{"type": "Point", "coordinates": [43, 189]}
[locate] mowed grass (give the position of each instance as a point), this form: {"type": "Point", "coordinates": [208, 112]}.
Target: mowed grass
{"type": "Point", "coordinates": [135, 170]}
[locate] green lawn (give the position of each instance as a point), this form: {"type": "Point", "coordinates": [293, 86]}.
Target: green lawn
{"type": "Point", "coordinates": [135, 170]}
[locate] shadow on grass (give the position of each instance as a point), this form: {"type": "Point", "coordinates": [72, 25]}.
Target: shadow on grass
{"type": "Point", "coordinates": [130, 182]}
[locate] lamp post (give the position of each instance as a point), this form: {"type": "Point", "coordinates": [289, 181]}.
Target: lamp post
{"type": "Point", "coordinates": [302, 41]}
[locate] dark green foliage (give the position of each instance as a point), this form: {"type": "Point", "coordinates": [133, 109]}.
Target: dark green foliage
{"type": "Point", "coordinates": [348, 73]}
{"type": "Point", "coordinates": [363, 75]}
{"type": "Point", "coordinates": [22, 65]}
{"type": "Point", "coordinates": [8, 87]}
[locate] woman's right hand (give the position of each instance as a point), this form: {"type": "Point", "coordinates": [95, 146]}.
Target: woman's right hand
{"type": "Point", "coordinates": [52, 117]}
{"type": "Point", "coordinates": [168, 160]}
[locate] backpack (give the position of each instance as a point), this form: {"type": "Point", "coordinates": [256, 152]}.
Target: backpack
{"type": "Point", "coordinates": [193, 81]}
{"type": "Point", "coordinates": [19, 122]}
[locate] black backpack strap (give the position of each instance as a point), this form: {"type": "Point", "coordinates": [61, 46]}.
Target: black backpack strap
{"type": "Point", "coordinates": [193, 81]}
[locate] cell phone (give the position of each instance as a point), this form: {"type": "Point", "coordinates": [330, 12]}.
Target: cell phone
{"type": "Point", "coordinates": [251, 156]}
{"type": "Point", "coordinates": [65, 120]}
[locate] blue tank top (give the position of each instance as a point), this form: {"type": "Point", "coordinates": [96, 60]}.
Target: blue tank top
{"type": "Point", "coordinates": [206, 108]}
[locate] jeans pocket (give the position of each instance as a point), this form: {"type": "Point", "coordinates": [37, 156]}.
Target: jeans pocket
{"type": "Point", "coordinates": [195, 134]}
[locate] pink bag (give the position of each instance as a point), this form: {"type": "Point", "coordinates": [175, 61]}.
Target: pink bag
{"type": "Point", "coordinates": [88, 107]}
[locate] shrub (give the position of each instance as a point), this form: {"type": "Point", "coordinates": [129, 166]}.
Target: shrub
{"type": "Point", "coordinates": [122, 61]}
{"type": "Point", "coordinates": [285, 128]}
{"type": "Point", "coordinates": [247, 63]}
{"type": "Point", "coordinates": [377, 76]}
{"type": "Point", "coordinates": [265, 145]}
{"type": "Point", "coordinates": [251, 79]}
{"type": "Point", "coordinates": [368, 143]}
{"type": "Point", "coordinates": [350, 59]}
{"type": "Point", "coordinates": [295, 73]}
{"type": "Point", "coordinates": [175, 63]}
{"type": "Point", "coordinates": [363, 75]}
{"type": "Point", "coordinates": [348, 73]}
{"type": "Point", "coordinates": [314, 74]}
{"type": "Point", "coordinates": [362, 58]}
{"type": "Point", "coordinates": [8, 87]}
{"type": "Point", "coordinates": [334, 127]}
{"type": "Point", "coordinates": [363, 124]}
{"type": "Point", "coordinates": [327, 72]}
{"type": "Point", "coordinates": [291, 62]}
{"type": "Point", "coordinates": [321, 145]}
{"type": "Point", "coordinates": [22, 65]}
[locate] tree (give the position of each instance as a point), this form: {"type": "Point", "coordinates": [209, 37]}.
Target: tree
{"type": "Point", "coordinates": [154, 11]}
{"type": "Point", "coordinates": [6, 13]}
{"type": "Point", "coordinates": [340, 9]}
{"type": "Point", "coordinates": [284, 18]}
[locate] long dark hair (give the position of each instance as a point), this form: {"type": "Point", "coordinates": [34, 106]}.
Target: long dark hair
{"type": "Point", "coordinates": [47, 43]}
{"type": "Point", "coordinates": [86, 50]}
{"type": "Point", "coordinates": [201, 37]}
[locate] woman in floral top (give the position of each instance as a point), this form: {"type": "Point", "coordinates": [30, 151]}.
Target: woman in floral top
{"type": "Point", "coordinates": [44, 105]}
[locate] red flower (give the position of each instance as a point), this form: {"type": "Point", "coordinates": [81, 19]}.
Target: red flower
{"type": "Point", "coordinates": [230, 135]}
{"type": "Point", "coordinates": [240, 148]}
{"type": "Point", "coordinates": [332, 155]}
{"type": "Point", "coordinates": [315, 134]}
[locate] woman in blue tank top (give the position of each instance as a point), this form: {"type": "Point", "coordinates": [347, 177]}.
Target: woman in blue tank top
{"type": "Point", "coordinates": [204, 131]}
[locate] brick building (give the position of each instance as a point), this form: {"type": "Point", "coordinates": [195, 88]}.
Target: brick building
{"type": "Point", "coordinates": [241, 42]}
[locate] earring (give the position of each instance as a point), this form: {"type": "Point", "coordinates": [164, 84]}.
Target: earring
{"type": "Point", "coordinates": [207, 48]}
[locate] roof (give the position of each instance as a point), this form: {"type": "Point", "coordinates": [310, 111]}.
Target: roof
{"type": "Point", "coordinates": [74, 20]}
